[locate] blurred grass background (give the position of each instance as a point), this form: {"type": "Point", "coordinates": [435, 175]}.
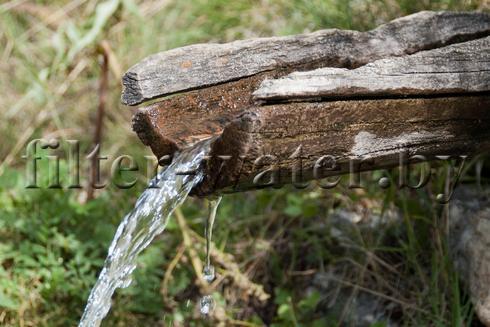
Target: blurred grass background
{"type": "Point", "coordinates": [53, 242]}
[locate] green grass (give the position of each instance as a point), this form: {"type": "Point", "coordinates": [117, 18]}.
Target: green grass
{"type": "Point", "coordinates": [53, 244]}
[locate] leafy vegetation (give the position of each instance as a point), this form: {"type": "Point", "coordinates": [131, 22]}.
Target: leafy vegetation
{"type": "Point", "coordinates": [285, 257]}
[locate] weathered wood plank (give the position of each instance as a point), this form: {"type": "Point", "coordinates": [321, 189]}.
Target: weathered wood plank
{"type": "Point", "coordinates": [455, 69]}
{"type": "Point", "coordinates": [202, 65]}
{"type": "Point", "coordinates": [183, 120]}
{"type": "Point", "coordinates": [375, 129]}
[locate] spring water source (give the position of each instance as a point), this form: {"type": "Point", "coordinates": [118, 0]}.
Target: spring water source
{"type": "Point", "coordinates": [138, 228]}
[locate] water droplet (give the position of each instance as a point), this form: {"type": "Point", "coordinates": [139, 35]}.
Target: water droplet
{"type": "Point", "coordinates": [384, 182]}
{"type": "Point", "coordinates": [208, 273]}
{"type": "Point", "coordinates": [206, 304]}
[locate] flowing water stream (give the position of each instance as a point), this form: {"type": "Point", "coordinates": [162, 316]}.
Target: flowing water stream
{"type": "Point", "coordinates": [207, 303]}
{"type": "Point", "coordinates": [138, 228]}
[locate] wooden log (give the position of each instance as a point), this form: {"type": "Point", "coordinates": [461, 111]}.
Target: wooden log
{"type": "Point", "coordinates": [375, 131]}
{"type": "Point", "coordinates": [182, 120]}
{"type": "Point", "coordinates": [455, 69]}
{"type": "Point", "coordinates": [201, 65]}
{"type": "Point", "coordinates": [444, 116]}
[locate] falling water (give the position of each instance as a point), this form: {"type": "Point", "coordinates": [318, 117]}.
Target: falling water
{"type": "Point", "coordinates": [148, 219]}
{"type": "Point", "coordinates": [206, 302]}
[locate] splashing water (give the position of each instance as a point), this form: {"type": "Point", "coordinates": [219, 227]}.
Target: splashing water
{"type": "Point", "coordinates": [148, 219]}
{"type": "Point", "coordinates": [206, 303]}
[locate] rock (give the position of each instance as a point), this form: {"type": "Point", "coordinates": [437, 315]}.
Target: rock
{"type": "Point", "coordinates": [361, 310]}
{"type": "Point", "coordinates": [341, 301]}
{"type": "Point", "coordinates": [346, 224]}
{"type": "Point", "coordinates": [469, 242]}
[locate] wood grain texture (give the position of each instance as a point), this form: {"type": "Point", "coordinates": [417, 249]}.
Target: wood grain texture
{"type": "Point", "coordinates": [455, 69]}
{"type": "Point", "coordinates": [202, 65]}
{"type": "Point", "coordinates": [182, 120]}
{"type": "Point", "coordinates": [376, 129]}
{"type": "Point", "coordinates": [179, 121]}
